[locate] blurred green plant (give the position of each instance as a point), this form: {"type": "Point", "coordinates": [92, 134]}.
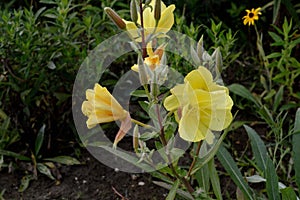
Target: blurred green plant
{"type": "Point", "coordinates": [45, 166]}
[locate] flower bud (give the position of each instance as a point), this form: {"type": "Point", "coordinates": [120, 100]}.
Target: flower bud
{"type": "Point", "coordinates": [133, 11]}
{"type": "Point", "coordinates": [200, 49]}
{"type": "Point", "coordinates": [142, 71]}
{"type": "Point", "coordinates": [136, 136]}
{"type": "Point", "coordinates": [115, 18]}
{"type": "Point", "coordinates": [217, 56]}
{"type": "Point", "coordinates": [157, 10]}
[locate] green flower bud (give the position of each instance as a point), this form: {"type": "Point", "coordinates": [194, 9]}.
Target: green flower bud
{"type": "Point", "coordinates": [133, 11]}
{"type": "Point", "coordinates": [142, 71]}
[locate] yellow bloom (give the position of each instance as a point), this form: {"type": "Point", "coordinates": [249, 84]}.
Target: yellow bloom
{"type": "Point", "coordinates": [102, 107]}
{"type": "Point", "coordinates": [200, 106]}
{"type": "Point", "coordinates": [251, 16]}
{"type": "Point", "coordinates": [163, 26]}
{"type": "Point", "coordinates": [153, 59]}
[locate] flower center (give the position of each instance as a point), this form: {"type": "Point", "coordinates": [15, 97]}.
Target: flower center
{"type": "Point", "coordinates": [251, 15]}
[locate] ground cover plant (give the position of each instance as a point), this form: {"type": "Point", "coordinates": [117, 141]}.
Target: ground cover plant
{"type": "Point", "coordinates": [220, 88]}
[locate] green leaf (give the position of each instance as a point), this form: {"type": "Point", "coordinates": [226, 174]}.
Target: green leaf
{"type": "Point", "coordinates": [205, 159]}
{"type": "Point", "coordinates": [272, 181]}
{"type": "Point", "coordinates": [172, 193]}
{"type": "Point", "coordinates": [214, 178]}
{"type": "Point", "coordinates": [202, 177]}
{"type": "Point", "coordinates": [66, 160]}
{"type": "Point", "coordinates": [296, 149]}
{"type": "Point", "coordinates": [139, 93]}
{"type": "Point", "coordinates": [230, 166]}
{"type": "Point", "coordinates": [128, 158]}
{"type": "Point", "coordinates": [276, 38]}
{"type": "Point", "coordinates": [240, 90]}
{"type": "Point", "coordinates": [288, 194]}
{"type": "Point", "coordinates": [39, 139]}
{"type": "Point", "coordinates": [276, 8]}
{"type": "Point", "coordinates": [278, 98]}
{"type": "Point", "coordinates": [44, 170]}
{"type": "Point", "coordinates": [25, 182]}
{"type": "Point", "coordinates": [15, 155]}
{"type": "Point", "coordinates": [180, 192]}
{"type": "Point", "coordinates": [258, 148]}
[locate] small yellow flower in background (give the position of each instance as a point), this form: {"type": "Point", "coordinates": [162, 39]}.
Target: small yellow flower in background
{"type": "Point", "coordinates": [251, 16]}
{"type": "Point", "coordinates": [153, 59]}
{"type": "Point", "coordinates": [102, 107]}
{"type": "Point", "coordinates": [200, 106]}
{"type": "Point", "coordinates": [164, 24]}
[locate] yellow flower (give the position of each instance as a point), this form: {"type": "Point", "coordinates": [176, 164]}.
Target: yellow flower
{"type": "Point", "coordinates": [251, 16]}
{"type": "Point", "coordinates": [163, 26]}
{"type": "Point", "coordinates": [153, 59]}
{"type": "Point", "coordinates": [102, 107]}
{"type": "Point", "coordinates": [200, 106]}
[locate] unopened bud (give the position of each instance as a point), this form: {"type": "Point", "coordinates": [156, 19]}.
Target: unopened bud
{"type": "Point", "coordinates": [217, 56]}
{"type": "Point", "coordinates": [200, 49]}
{"type": "Point", "coordinates": [115, 18]}
{"type": "Point", "coordinates": [136, 136]}
{"type": "Point", "coordinates": [133, 11]}
{"type": "Point", "coordinates": [157, 10]}
{"type": "Point", "coordinates": [142, 71]}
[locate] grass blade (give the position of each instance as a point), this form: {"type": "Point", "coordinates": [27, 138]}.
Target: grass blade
{"type": "Point", "coordinates": [296, 149]}
{"type": "Point", "coordinates": [258, 148]}
{"type": "Point", "coordinates": [228, 163]}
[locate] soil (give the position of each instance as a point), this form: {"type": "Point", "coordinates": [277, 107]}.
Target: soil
{"type": "Point", "coordinates": [91, 180]}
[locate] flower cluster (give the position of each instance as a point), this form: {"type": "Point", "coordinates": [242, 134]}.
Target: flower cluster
{"type": "Point", "coordinates": [200, 105]}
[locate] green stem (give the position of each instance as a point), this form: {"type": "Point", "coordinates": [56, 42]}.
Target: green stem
{"type": "Point", "coordinates": [195, 158]}
{"type": "Point", "coordinates": [170, 163]}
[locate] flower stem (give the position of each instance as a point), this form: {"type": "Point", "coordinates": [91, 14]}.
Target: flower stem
{"type": "Point", "coordinates": [195, 158]}
{"type": "Point", "coordinates": [141, 124]}
{"type": "Point", "coordinates": [170, 163]}
{"type": "Point", "coordinates": [143, 31]}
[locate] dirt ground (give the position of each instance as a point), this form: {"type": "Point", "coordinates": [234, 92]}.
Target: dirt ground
{"type": "Point", "coordinates": [91, 180]}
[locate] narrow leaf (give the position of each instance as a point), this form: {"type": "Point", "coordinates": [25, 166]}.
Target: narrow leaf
{"type": "Point", "coordinates": [13, 154]}
{"type": "Point", "coordinates": [241, 91]}
{"type": "Point", "coordinates": [272, 181]}
{"type": "Point", "coordinates": [172, 193]}
{"type": "Point", "coordinates": [180, 192]}
{"type": "Point", "coordinates": [214, 178]}
{"type": "Point", "coordinates": [205, 159]}
{"type": "Point", "coordinates": [288, 194]}
{"type": "Point", "coordinates": [39, 139]}
{"type": "Point", "coordinates": [66, 160]}
{"type": "Point", "coordinates": [230, 166]}
{"type": "Point", "coordinates": [296, 149]}
{"type": "Point", "coordinates": [258, 148]}
{"type": "Point", "coordinates": [45, 170]}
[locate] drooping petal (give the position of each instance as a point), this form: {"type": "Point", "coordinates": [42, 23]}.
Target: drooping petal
{"type": "Point", "coordinates": [125, 127]}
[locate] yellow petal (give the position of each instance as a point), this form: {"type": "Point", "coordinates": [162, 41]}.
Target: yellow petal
{"type": "Point", "coordinates": [135, 68]}
{"type": "Point", "coordinates": [171, 103]}
{"type": "Point", "coordinates": [132, 29]}
{"type": "Point", "coordinates": [190, 127]}
{"type": "Point", "coordinates": [199, 79]}
{"type": "Point", "coordinates": [167, 20]}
